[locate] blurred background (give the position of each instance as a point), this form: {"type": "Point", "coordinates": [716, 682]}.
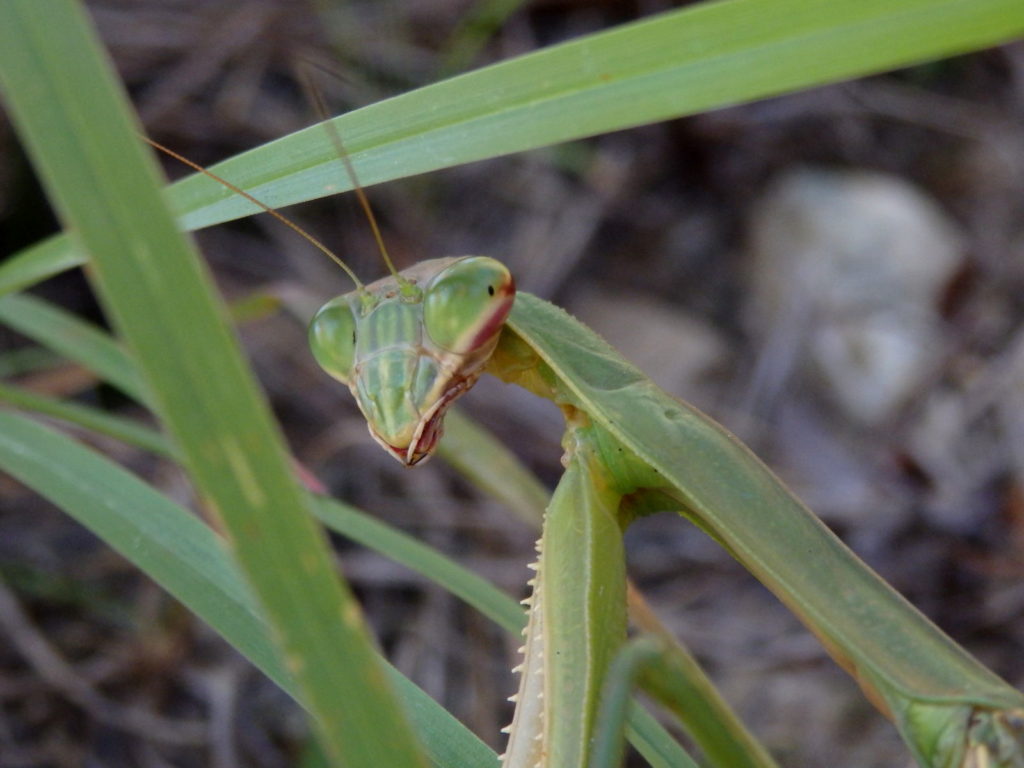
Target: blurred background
{"type": "Point", "coordinates": [837, 276]}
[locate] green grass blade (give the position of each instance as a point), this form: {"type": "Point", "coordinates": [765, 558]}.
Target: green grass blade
{"type": "Point", "coordinates": [671, 676]}
{"type": "Point", "coordinates": [187, 559]}
{"type": "Point", "coordinates": [698, 58]}
{"type": "Point", "coordinates": [692, 60]}
{"type": "Point", "coordinates": [37, 262]}
{"type": "Point", "coordinates": [74, 338]}
{"type": "Point", "coordinates": [74, 120]}
{"type": "Point", "coordinates": [487, 463]}
{"type": "Point", "coordinates": [616, 704]}
{"type": "Point", "coordinates": [125, 430]}
{"type": "Point", "coordinates": [417, 556]}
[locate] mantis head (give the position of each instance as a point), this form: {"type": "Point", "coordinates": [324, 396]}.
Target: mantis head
{"type": "Point", "coordinates": [408, 346]}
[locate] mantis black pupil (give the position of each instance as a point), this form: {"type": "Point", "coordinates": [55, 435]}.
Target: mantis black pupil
{"type": "Point", "coordinates": [490, 290]}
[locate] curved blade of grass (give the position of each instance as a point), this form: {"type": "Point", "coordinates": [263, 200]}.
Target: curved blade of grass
{"type": "Point", "coordinates": [699, 58]}
{"type": "Point", "coordinates": [34, 264]}
{"type": "Point", "coordinates": [75, 121]}
{"type": "Point", "coordinates": [487, 463]}
{"type": "Point", "coordinates": [423, 559]}
{"type": "Point", "coordinates": [74, 338]}
{"type": "Point", "coordinates": [187, 559]}
{"type": "Point", "coordinates": [670, 675]}
{"type": "Point", "coordinates": [125, 430]}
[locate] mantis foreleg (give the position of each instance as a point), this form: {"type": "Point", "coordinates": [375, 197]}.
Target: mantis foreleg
{"type": "Point", "coordinates": [949, 708]}
{"type": "Point", "coordinates": [577, 615]}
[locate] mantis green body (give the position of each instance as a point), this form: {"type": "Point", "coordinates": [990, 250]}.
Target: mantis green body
{"type": "Point", "coordinates": [410, 344]}
{"type": "Point", "coordinates": [424, 337]}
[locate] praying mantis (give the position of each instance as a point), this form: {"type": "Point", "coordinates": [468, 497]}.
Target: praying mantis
{"type": "Point", "coordinates": [410, 344]}
{"type": "Point", "coordinates": [632, 450]}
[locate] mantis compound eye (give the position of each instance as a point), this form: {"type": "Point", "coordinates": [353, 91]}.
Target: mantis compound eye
{"type": "Point", "coordinates": [332, 337]}
{"type": "Point", "coordinates": [465, 306]}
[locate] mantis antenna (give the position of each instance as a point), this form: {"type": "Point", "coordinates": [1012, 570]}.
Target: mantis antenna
{"type": "Point", "coordinates": [277, 215]}
{"type": "Point", "coordinates": [314, 96]}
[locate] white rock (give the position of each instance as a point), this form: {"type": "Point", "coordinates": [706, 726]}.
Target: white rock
{"type": "Point", "coordinates": [847, 270]}
{"type": "Point", "coordinates": [872, 362]}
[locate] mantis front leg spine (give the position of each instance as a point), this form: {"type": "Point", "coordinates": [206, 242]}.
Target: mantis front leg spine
{"type": "Point", "coordinates": [577, 616]}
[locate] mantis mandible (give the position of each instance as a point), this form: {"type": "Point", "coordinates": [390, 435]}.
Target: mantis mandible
{"type": "Point", "coordinates": [410, 344]}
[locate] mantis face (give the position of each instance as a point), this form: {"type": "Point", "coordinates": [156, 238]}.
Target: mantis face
{"type": "Point", "coordinates": [408, 348]}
